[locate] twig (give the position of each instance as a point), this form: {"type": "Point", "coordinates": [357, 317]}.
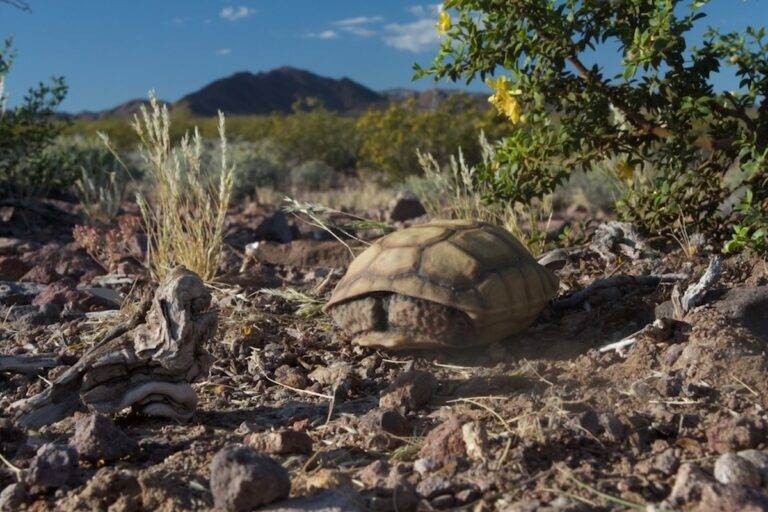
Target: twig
{"type": "Point", "coordinates": [659, 328]}
{"type": "Point", "coordinates": [17, 470]}
{"type": "Point", "coordinates": [498, 416]}
{"type": "Point", "coordinates": [273, 381]}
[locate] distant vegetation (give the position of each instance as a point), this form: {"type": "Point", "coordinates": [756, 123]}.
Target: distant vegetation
{"type": "Point", "coordinates": [381, 142]}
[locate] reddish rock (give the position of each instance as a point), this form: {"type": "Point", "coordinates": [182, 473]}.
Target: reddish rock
{"type": "Point", "coordinates": [12, 268]}
{"type": "Point", "coordinates": [719, 498]}
{"type": "Point", "coordinates": [290, 376]}
{"type": "Point", "coordinates": [242, 479]}
{"type": "Point", "coordinates": [64, 294]}
{"type": "Point", "coordinates": [735, 434]}
{"type": "Point", "coordinates": [444, 441]}
{"type": "Point", "coordinates": [410, 391]}
{"type": "Point", "coordinates": [98, 438]}
{"type": "Point", "coordinates": [281, 442]}
{"type": "Point", "coordinates": [44, 273]}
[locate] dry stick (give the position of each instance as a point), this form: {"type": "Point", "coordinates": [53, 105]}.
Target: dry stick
{"type": "Point", "coordinates": [498, 416]}
{"type": "Point", "coordinates": [17, 470]}
{"type": "Point", "coordinates": [694, 295]}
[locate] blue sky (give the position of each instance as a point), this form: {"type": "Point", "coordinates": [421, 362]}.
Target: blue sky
{"type": "Point", "coordinates": [111, 50]}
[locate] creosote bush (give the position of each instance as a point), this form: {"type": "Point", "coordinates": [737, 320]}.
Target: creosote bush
{"type": "Point", "coordinates": [29, 166]}
{"type": "Point", "coordinates": [184, 216]}
{"type": "Point", "coordinates": [661, 111]}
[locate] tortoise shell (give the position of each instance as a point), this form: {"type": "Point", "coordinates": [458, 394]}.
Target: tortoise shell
{"type": "Point", "coordinates": [471, 267]}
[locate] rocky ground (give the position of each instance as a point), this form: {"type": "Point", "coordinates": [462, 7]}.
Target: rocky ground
{"type": "Point", "coordinates": [291, 416]}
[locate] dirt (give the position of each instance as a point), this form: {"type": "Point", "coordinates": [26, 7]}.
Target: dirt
{"type": "Point", "coordinates": [544, 421]}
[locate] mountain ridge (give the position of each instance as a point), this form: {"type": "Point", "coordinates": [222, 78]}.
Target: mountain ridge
{"type": "Point", "coordinates": [276, 91]}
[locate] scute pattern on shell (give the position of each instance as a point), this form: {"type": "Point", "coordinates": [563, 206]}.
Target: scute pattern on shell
{"type": "Point", "coordinates": [474, 267]}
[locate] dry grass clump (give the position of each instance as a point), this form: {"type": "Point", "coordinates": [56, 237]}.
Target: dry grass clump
{"type": "Point", "coordinates": [184, 218]}
{"type": "Point", "coordinates": [455, 191]}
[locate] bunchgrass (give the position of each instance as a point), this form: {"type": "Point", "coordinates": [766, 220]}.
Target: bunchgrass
{"type": "Point", "coordinates": [184, 216]}
{"type": "Point", "coordinates": [307, 306]}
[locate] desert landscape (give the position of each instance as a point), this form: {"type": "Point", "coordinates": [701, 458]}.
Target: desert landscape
{"type": "Point", "coordinates": [290, 292]}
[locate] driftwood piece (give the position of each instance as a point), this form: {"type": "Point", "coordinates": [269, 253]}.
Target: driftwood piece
{"type": "Point", "coordinates": [694, 294]}
{"type": "Point", "coordinates": [616, 237]}
{"type": "Point", "coordinates": [660, 329]}
{"type": "Point", "coordinates": [29, 363]}
{"type": "Point", "coordinates": [581, 296]}
{"type": "Point", "coordinates": [148, 367]}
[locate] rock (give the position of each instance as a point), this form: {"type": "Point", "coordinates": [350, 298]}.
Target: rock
{"type": "Point", "coordinates": [53, 466]}
{"type": "Point", "coordinates": [243, 479]}
{"type": "Point", "coordinates": [747, 306]}
{"type": "Point", "coordinates": [586, 422]}
{"type": "Point", "coordinates": [734, 434]}
{"type": "Point", "coordinates": [12, 498]}
{"type": "Point", "coordinates": [732, 498]}
{"type": "Point", "coordinates": [63, 293]}
{"type": "Point", "coordinates": [389, 421]}
{"type": "Point", "coordinates": [410, 391]}
{"type": "Point", "coordinates": [759, 460]}
{"type": "Point", "coordinates": [43, 273]}
{"type": "Point", "coordinates": [98, 438]}
{"type": "Point", "coordinates": [15, 246]}
{"type": "Point", "coordinates": [613, 428]}
{"type": "Point", "coordinates": [666, 462]}
{"type": "Point", "coordinates": [690, 481]}
{"type": "Point", "coordinates": [433, 486]}
{"type": "Point", "coordinates": [444, 441]}
{"type": "Point", "coordinates": [274, 228]}
{"type": "Point", "coordinates": [475, 440]}
{"type": "Point", "coordinates": [337, 375]}
{"type": "Point", "coordinates": [290, 376]}
{"type": "Point", "coordinates": [343, 499]}
{"type": "Point", "coordinates": [281, 442]}
{"type": "Point", "coordinates": [110, 489]}
{"type": "Point", "coordinates": [732, 469]}
{"type": "Point", "coordinates": [12, 268]}
{"type": "Point", "coordinates": [18, 294]}
{"type": "Point", "coordinates": [382, 428]}
{"type": "Point", "coordinates": [405, 206]}
{"type": "Point", "coordinates": [11, 437]}
{"type": "Point", "coordinates": [303, 254]}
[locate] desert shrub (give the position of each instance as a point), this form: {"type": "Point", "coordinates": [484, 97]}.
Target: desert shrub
{"type": "Point", "coordinates": [313, 133]}
{"type": "Point", "coordinates": [314, 175]}
{"type": "Point", "coordinates": [391, 137]}
{"type": "Point", "coordinates": [28, 163]}
{"type": "Point", "coordinates": [661, 111]}
{"type": "Point", "coordinates": [257, 165]}
{"type": "Point", "coordinates": [184, 218]}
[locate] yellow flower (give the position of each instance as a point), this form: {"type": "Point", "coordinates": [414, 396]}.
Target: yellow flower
{"type": "Point", "coordinates": [444, 22]}
{"type": "Point", "coordinates": [625, 171]}
{"type": "Point", "coordinates": [503, 98]}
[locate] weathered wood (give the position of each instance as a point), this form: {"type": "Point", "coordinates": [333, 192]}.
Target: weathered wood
{"type": "Point", "coordinates": [695, 293]}
{"type": "Point", "coordinates": [28, 363]}
{"type": "Point", "coordinates": [581, 296]}
{"type": "Point", "coordinates": [146, 363]}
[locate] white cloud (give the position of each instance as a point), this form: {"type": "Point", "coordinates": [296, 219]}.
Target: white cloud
{"type": "Point", "coordinates": [325, 34]}
{"type": "Point", "coordinates": [359, 31]}
{"type": "Point", "coordinates": [423, 10]}
{"type": "Point", "coordinates": [224, 51]}
{"type": "Point", "coordinates": [328, 34]}
{"type": "Point", "coordinates": [358, 20]}
{"type": "Point", "coordinates": [236, 13]}
{"type": "Point", "coordinates": [415, 37]}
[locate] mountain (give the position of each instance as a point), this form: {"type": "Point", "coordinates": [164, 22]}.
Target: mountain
{"type": "Point", "coordinates": [124, 110]}
{"type": "Point", "coordinates": [246, 93]}
{"type": "Point", "coordinates": [277, 90]}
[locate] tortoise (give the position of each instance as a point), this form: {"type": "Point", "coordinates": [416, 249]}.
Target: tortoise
{"type": "Point", "coordinates": [443, 283]}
